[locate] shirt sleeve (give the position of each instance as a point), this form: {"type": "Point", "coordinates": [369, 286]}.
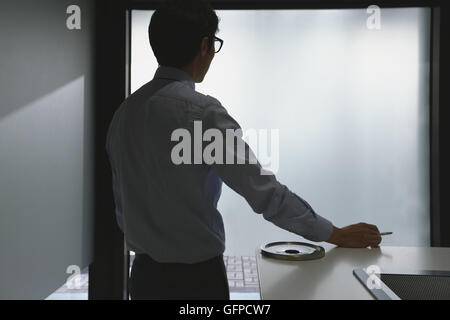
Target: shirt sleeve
{"type": "Point", "coordinates": [263, 192]}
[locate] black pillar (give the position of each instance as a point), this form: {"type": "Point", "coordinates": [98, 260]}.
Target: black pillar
{"type": "Point", "coordinates": [108, 270]}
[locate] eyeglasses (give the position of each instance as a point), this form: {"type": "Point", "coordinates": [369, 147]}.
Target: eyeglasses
{"type": "Point", "coordinates": [218, 43]}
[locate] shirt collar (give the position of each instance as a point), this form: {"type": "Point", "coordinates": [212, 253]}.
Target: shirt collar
{"type": "Point", "coordinates": [172, 73]}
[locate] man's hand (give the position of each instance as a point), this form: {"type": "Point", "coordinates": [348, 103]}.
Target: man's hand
{"type": "Point", "coordinates": [359, 235]}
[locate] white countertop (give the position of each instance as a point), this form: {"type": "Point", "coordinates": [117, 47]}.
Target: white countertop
{"type": "Point", "coordinates": [332, 276]}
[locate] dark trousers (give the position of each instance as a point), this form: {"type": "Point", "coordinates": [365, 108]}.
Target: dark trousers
{"type": "Point", "coordinates": [151, 280]}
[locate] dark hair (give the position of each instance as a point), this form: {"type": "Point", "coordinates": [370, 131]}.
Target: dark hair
{"type": "Point", "coordinates": [177, 28]}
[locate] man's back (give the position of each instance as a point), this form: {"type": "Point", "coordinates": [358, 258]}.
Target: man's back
{"type": "Point", "coordinates": [165, 210]}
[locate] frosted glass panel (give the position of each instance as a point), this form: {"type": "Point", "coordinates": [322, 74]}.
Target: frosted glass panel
{"type": "Point", "coordinates": [351, 106]}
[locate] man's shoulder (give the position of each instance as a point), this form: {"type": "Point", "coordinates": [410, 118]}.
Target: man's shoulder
{"type": "Point", "coordinates": [183, 92]}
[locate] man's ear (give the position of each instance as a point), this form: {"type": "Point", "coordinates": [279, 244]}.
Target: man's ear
{"type": "Point", "coordinates": [204, 46]}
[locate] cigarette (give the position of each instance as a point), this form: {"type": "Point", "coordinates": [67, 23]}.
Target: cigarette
{"type": "Point", "coordinates": [385, 233]}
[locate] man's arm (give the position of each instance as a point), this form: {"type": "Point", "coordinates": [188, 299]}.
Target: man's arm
{"type": "Point", "coordinates": [263, 193]}
{"type": "Point", "coordinates": [274, 200]}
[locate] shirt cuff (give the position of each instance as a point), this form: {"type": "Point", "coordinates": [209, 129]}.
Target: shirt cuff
{"type": "Point", "coordinates": [323, 229]}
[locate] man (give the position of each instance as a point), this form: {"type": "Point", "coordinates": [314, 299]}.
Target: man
{"type": "Point", "coordinates": [167, 210]}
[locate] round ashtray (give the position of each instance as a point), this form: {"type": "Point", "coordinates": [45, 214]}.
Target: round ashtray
{"type": "Point", "coordinates": [291, 250]}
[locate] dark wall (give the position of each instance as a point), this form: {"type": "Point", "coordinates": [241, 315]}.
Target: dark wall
{"type": "Point", "coordinates": [46, 145]}
{"type": "Point", "coordinates": [443, 227]}
{"type": "Point", "coordinates": [107, 274]}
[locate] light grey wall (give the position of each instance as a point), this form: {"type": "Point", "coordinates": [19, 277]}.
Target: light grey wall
{"type": "Point", "coordinates": [46, 145]}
